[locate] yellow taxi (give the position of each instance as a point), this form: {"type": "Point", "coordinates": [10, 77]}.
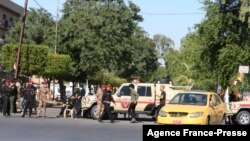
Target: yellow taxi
{"type": "Point", "coordinates": [193, 107]}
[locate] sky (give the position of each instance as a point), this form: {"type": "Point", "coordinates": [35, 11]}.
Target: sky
{"type": "Point", "coordinates": [172, 18]}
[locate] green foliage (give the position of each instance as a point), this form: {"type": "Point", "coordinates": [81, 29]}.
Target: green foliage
{"type": "Point", "coordinates": [159, 73]}
{"type": "Point", "coordinates": [213, 52]}
{"type": "Point", "coordinates": [58, 66]}
{"type": "Point", "coordinates": [39, 29]}
{"type": "Point", "coordinates": [104, 77]}
{"type": "Point", "coordinates": [106, 36]}
{"type": "Point", "coordinates": [32, 61]}
{"type": "Point", "coordinates": [163, 44]}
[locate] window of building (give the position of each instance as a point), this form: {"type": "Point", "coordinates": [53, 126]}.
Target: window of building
{"type": "Point", "coordinates": [4, 16]}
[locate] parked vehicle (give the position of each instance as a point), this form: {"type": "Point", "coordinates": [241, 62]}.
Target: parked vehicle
{"type": "Point", "coordinates": [192, 107]}
{"type": "Point", "coordinates": [146, 103]}
{"type": "Point", "coordinates": [239, 111]}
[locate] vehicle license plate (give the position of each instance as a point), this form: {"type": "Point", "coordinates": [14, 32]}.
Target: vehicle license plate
{"type": "Point", "coordinates": [176, 122]}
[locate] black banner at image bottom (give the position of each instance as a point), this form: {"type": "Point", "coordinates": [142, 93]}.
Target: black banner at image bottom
{"type": "Point", "coordinates": [160, 132]}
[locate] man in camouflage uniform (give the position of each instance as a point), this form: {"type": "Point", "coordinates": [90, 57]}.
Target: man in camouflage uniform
{"type": "Point", "coordinates": [100, 106]}
{"type": "Point", "coordinates": [43, 96]}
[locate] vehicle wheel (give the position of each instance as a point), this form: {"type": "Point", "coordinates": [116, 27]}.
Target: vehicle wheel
{"type": "Point", "coordinates": [93, 112]}
{"type": "Point", "coordinates": [243, 118]}
{"type": "Point", "coordinates": [208, 121]}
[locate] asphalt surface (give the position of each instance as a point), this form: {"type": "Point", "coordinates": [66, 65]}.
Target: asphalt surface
{"type": "Point", "coordinates": [51, 128]}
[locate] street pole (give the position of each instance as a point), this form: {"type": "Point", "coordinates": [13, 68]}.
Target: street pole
{"type": "Point", "coordinates": [57, 10]}
{"type": "Point", "coordinates": [21, 40]}
{"type": "Point", "coordinates": [58, 1]}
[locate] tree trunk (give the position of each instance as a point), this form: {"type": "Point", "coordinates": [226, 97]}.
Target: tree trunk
{"type": "Point", "coordinates": [62, 90]}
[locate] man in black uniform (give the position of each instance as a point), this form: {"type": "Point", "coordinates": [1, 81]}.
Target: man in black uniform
{"type": "Point", "coordinates": [5, 97]}
{"type": "Point", "coordinates": [107, 98]}
{"type": "Point", "coordinates": [29, 98]}
{"type": "Point", "coordinates": [13, 96]}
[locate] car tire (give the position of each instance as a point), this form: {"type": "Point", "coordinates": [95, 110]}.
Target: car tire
{"type": "Point", "coordinates": [243, 118]}
{"type": "Point", "coordinates": [93, 112]}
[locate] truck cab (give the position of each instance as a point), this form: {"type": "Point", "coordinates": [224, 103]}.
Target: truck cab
{"type": "Point", "coordinates": [239, 111]}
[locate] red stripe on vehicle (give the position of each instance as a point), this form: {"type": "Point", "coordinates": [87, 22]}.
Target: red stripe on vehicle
{"type": "Point", "coordinates": [245, 105]}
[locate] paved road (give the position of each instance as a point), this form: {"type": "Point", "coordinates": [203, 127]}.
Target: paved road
{"type": "Point", "coordinates": [51, 128]}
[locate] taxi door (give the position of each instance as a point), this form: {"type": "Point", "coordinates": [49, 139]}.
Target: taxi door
{"type": "Point", "coordinates": [212, 109]}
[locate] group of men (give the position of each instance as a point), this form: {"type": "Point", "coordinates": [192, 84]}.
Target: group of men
{"type": "Point", "coordinates": [28, 97]}
{"type": "Point", "coordinates": [8, 97]}
{"type": "Point", "coordinates": [104, 98]}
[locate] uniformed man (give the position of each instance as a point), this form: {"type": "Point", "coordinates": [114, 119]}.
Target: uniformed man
{"type": "Point", "coordinates": [5, 97]}
{"type": "Point", "coordinates": [134, 97]}
{"type": "Point", "coordinates": [13, 96]}
{"type": "Point", "coordinates": [29, 98]}
{"type": "Point", "coordinates": [100, 106]}
{"type": "Point", "coordinates": [107, 98]}
{"type": "Point", "coordinates": [43, 96]}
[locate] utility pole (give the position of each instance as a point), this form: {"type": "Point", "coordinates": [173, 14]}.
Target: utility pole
{"type": "Point", "coordinates": [57, 16]}
{"type": "Point", "coordinates": [57, 12]}
{"type": "Point", "coordinates": [20, 40]}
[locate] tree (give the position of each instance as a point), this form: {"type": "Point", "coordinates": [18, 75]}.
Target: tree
{"type": "Point", "coordinates": [163, 44]}
{"type": "Point", "coordinates": [33, 58]}
{"type": "Point", "coordinates": [58, 67]}
{"type": "Point", "coordinates": [103, 37]}
{"type": "Point", "coordinates": [212, 53]}
{"type": "Point", "coordinates": [39, 29]}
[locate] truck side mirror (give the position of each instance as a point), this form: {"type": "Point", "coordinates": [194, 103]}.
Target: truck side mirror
{"type": "Point", "coordinates": [119, 94]}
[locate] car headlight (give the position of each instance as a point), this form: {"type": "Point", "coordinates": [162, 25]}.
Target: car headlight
{"type": "Point", "coordinates": [195, 114]}
{"type": "Point", "coordinates": [162, 113]}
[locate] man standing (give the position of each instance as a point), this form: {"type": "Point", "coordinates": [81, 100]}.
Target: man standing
{"type": "Point", "coordinates": [162, 97]}
{"type": "Point", "coordinates": [100, 106]}
{"type": "Point", "coordinates": [5, 97]}
{"type": "Point", "coordinates": [134, 97]}
{"type": "Point", "coordinates": [43, 96]}
{"type": "Point", "coordinates": [13, 96]}
{"type": "Point", "coordinates": [29, 98]}
{"type": "Point", "coordinates": [107, 98]}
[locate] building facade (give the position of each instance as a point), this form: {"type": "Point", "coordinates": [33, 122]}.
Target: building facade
{"type": "Point", "coordinates": [10, 14]}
